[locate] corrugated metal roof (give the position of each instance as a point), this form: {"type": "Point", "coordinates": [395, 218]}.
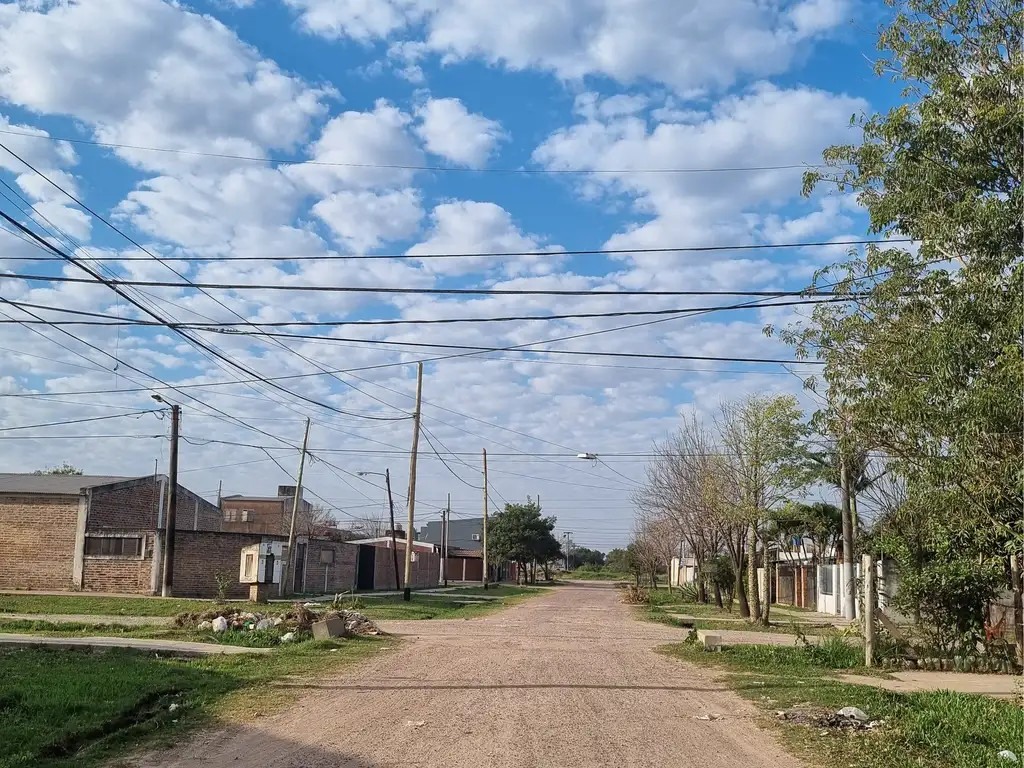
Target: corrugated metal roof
{"type": "Point", "coordinates": [71, 485]}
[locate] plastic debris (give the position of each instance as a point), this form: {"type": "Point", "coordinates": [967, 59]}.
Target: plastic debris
{"type": "Point", "coordinates": [1007, 756]}
{"type": "Point", "coordinates": [220, 624]}
{"type": "Point", "coordinates": [857, 714]}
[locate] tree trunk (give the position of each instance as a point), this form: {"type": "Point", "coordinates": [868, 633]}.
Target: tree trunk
{"type": "Point", "coordinates": [718, 596]}
{"type": "Point", "coordinates": [766, 601]}
{"type": "Point", "coordinates": [741, 594]}
{"type": "Point", "coordinates": [702, 595]}
{"type": "Point", "coordinates": [753, 592]}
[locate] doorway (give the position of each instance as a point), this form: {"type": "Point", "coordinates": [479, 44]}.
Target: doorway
{"type": "Point", "coordinates": [299, 583]}
{"type": "Point", "coordinates": [367, 566]}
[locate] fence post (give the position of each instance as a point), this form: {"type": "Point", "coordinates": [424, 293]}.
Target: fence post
{"type": "Point", "coordinates": [868, 574]}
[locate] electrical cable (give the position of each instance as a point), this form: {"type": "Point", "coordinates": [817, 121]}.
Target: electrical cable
{"type": "Point", "coordinates": [79, 421]}
{"type": "Point", "coordinates": [397, 290]}
{"type": "Point", "coordinates": [118, 321]}
{"type": "Point", "coordinates": [434, 168]}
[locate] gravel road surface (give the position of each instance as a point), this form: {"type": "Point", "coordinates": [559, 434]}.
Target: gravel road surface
{"type": "Point", "coordinates": [565, 679]}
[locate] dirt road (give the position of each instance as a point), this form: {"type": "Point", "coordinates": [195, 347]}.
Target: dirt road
{"type": "Point", "coordinates": [565, 679]}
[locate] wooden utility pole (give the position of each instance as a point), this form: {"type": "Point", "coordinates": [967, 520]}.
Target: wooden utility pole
{"type": "Point", "coordinates": [485, 519]}
{"type": "Point", "coordinates": [1018, 605]}
{"type": "Point", "coordinates": [849, 590]}
{"type": "Point", "coordinates": [289, 561]}
{"type": "Point", "coordinates": [868, 566]}
{"type": "Point", "coordinates": [407, 590]}
{"type": "Point", "coordinates": [444, 526]}
{"type": "Point", "coordinates": [167, 588]}
{"type": "Point", "coordinates": [391, 511]}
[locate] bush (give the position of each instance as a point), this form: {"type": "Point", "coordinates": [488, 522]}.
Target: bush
{"type": "Point", "coordinates": [635, 595]}
{"type": "Point", "coordinates": [951, 597]}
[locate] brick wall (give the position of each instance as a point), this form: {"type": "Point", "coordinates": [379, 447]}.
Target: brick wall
{"type": "Point", "coordinates": [200, 555]}
{"type": "Point", "coordinates": [425, 569]}
{"type": "Point", "coordinates": [267, 516]}
{"type": "Point", "coordinates": [120, 574]}
{"type": "Point", "coordinates": [37, 541]}
{"type": "Point", "coordinates": [474, 569]}
{"type": "Point", "coordinates": [133, 504]}
{"type": "Point", "coordinates": [340, 575]}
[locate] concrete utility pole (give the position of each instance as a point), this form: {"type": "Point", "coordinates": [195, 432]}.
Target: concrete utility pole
{"type": "Point", "coordinates": [868, 566]}
{"type": "Point", "coordinates": [289, 562]}
{"type": "Point", "coordinates": [407, 590]}
{"type": "Point", "coordinates": [849, 588]}
{"type": "Point", "coordinates": [167, 588]}
{"type": "Point", "coordinates": [485, 519]}
{"type": "Point", "coordinates": [444, 538]}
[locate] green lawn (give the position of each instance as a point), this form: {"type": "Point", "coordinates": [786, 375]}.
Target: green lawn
{"type": "Point", "coordinates": [60, 709]}
{"type": "Point", "coordinates": [110, 606]}
{"type": "Point", "coordinates": [594, 574]}
{"type": "Point", "coordinates": [497, 590]}
{"type": "Point", "coordinates": [920, 730]}
{"type": "Point", "coordinates": [431, 606]}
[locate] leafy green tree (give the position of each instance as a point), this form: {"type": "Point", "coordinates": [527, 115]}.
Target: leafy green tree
{"type": "Point", "coordinates": [762, 436]}
{"type": "Point", "coordinates": [926, 363]}
{"type": "Point", "coordinates": [61, 469]}
{"type": "Point", "coordinates": [520, 535]}
{"type": "Point", "coordinates": [618, 560]}
{"type": "Point", "coordinates": [581, 556]}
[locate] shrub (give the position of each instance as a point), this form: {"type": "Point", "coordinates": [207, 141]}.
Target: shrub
{"type": "Point", "coordinates": [951, 597]}
{"type": "Point", "coordinates": [635, 595]}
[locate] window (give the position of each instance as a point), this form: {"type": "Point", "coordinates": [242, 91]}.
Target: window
{"type": "Point", "coordinates": [476, 537]}
{"type": "Point", "coordinates": [326, 556]}
{"type": "Point", "coordinates": [230, 515]}
{"type": "Point", "coordinates": [114, 546]}
{"type": "Point", "coordinates": [247, 515]}
{"type": "Point", "coordinates": [250, 566]}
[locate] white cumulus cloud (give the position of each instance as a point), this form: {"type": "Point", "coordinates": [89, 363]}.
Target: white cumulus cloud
{"type": "Point", "coordinates": [451, 131]}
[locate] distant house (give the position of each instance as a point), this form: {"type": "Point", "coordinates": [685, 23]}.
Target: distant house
{"type": "Point", "coordinates": [265, 514]}
{"type": "Point", "coordinates": [375, 563]}
{"type": "Point", "coordinates": [465, 550]}
{"type": "Point", "coordinates": [104, 533]}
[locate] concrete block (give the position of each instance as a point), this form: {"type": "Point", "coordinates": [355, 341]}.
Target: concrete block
{"type": "Point", "coordinates": [711, 642]}
{"type": "Point", "coordinates": [334, 627]}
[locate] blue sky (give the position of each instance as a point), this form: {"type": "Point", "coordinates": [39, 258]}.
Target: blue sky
{"type": "Point", "coordinates": [591, 96]}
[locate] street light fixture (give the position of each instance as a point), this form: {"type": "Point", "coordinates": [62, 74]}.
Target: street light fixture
{"type": "Point", "coordinates": [386, 474]}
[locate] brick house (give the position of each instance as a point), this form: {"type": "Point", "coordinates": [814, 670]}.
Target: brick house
{"type": "Point", "coordinates": [265, 514]}
{"type": "Point", "coordinates": [376, 568]}
{"type": "Point", "coordinates": [105, 534]}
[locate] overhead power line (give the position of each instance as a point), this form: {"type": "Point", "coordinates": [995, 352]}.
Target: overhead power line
{"type": "Point", "coordinates": [79, 421]}
{"type": "Point", "coordinates": [403, 167]}
{"type": "Point", "coordinates": [499, 254]}
{"type": "Point", "coordinates": [117, 321]}
{"type": "Point", "coordinates": [391, 289]}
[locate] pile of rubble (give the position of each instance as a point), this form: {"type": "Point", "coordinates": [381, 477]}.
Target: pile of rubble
{"type": "Point", "coordinates": [300, 618]}
{"type": "Point", "coordinates": [845, 719]}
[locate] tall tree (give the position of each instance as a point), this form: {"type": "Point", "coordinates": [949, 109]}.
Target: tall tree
{"type": "Point", "coordinates": [520, 535]}
{"type": "Point", "coordinates": [927, 361]}
{"type": "Point", "coordinates": [60, 469]}
{"type": "Point", "coordinates": [761, 436]}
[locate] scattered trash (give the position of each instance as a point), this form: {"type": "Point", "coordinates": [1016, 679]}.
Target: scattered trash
{"type": "Point", "coordinates": [847, 719]}
{"type": "Point", "coordinates": [220, 624]}
{"type": "Point", "coordinates": [709, 716]}
{"type": "Point", "coordinates": [1007, 756]}
{"type": "Point", "coordinates": [172, 707]}
{"type": "Point", "coordinates": [288, 637]}
{"type": "Point", "coordinates": [415, 723]}
{"type": "Point", "coordinates": [264, 624]}
{"type": "Point", "coordinates": [856, 714]}
{"type": "Point", "coordinates": [298, 618]}
{"type": "Point", "coordinates": [204, 625]}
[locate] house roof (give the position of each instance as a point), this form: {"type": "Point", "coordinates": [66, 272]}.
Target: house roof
{"type": "Point", "coordinates": [67, 485]}
{"type": "Point", "coordinates": [417, 543]}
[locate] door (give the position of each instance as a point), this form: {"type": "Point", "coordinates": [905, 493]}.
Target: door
{"type": "Point", "coordinates": [299, 583]}
{"type": "Point", "coordinates": [367, 566]}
